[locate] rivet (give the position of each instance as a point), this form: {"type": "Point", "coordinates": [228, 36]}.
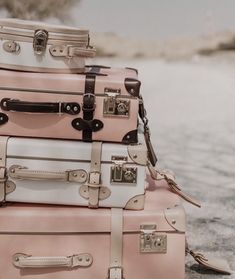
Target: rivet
{"type": "Point", "coordinates": [128, 137]}
{"type": "Point", "coordinates": [1, 118]}
{"type": "Point", "coordinates": [75, 174]}
{"type": "Point", "coordinates": [135, 156]}
{"type": "Point", "coordinates": [75, 108]}
{"type": "Point", "coordinates": [132, 90]}
{"type": "Point", "coordinates": [173, 222]}
{"type": "Point", "coordinates": [77, 123]}
{"type": "Point", "coordinates": [80, 259]}
{"type": "Point", "coordinates": [135, 201]}
{"type": "Point", "coordinates": [97, 125]}
{"type": "Point", "coordinates": [68, 107]}
{"type": "Point", "coordinates": [16, 259]}
{"type": "Point", "coordinates": [12, 170]}
{"type": "Point", "coordinates": [87, 259]}
{"type": "Point", "coordinates": [82, 175]}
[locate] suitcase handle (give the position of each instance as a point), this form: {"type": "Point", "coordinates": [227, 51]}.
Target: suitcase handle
{"type": "Point", "coordinates": [21, 260]}
{"type": "Point", "coordinates": [72, 51]}
{"type": "Point", "coordinates": [23, 173]}
{"type": "Point", "coordinates": [39, 107]}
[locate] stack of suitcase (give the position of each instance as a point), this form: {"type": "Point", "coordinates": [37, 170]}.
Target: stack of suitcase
{"type": "Point", "coordinates": [79, 199]}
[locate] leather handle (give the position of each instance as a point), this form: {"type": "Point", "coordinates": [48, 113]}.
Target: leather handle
{"type": "Point", "coordinates": [21, 260]}
{"type": "Point", "coordinates": [23, 173]}
{"type": "Point", "coordinates": [39, 107]}
{"type": "Point", "coordinates": [72, 51]}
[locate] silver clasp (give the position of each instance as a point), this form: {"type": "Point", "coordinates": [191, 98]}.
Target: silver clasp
{"type": "Point", "coordinates": [40, 41]}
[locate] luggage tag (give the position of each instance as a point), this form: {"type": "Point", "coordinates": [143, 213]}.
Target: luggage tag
{"type": "Point", "coordinates": [143, 115]}
{"type": "Point", "coordinates": [215, 264]}
{"type": "Point", "coordinates": [170, 179]}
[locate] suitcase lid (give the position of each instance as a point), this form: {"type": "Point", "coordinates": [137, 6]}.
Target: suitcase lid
{"type": "Point", "coordinates": [162, 209]}
{"type": "Point", "coordinates": [75, 151]}
{"type": "Point", "coordinates": [25, 30]}
{"type": "Point", "coordinates": [123, 80]}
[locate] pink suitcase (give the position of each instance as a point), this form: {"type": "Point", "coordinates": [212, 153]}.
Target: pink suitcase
{"type": "Point", "coordinates": [101, 104]}
{"type": "Point", "coordinates": [68, 242]}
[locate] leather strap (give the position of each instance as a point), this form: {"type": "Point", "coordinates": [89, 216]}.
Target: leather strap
{"type": "Point", "coordinates": [159, 175]}
{"type": "Point", "coordinates": [115, 269]}
{"type": "Point", "coordinates": [88, 107]}
{"type": "Point", "coordinates": [21, 260]}
{"type": "Point", "coordinates": [3, 152]}
{"type": "Point", "coordinates": [218, 265]}
{"type": "Point", "coordinates": [94, 182]}
{"type": "Point", "coordinates": [72, 51]}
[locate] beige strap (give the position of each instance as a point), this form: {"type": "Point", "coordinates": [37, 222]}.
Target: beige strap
{"type": "Point", "coordinates": [94, 180]}
{"type": "Point", "coordinates": [23, 173]}
{"type": "Point", "coordinates": [21, 260]}
{"type": "Point", "coordinates": [3, 151]}
{"type": "Point", "coordinates": [218, 265]}
{"type": "Point", "coordinates": [116, 270]}
{"type": "Point", "coordinates": [72, 51]}
{"type": "Point", "coordinates": [158, 175]}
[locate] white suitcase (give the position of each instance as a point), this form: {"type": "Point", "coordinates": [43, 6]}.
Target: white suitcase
{"type": "Point", "coordinates": [72, 172]}
{"type": "Point", "coordinates": [40, 47]}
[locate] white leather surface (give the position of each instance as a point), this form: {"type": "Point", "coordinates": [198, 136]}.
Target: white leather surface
{"type": "Point", "coordinates": [54, 155]}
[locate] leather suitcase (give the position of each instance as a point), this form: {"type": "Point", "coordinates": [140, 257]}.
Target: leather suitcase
{"type": "Point", "coordinates": [101, 104]}
{"type": "Point", "coordinates": [41, 47]}
{"type": "Point", "coordinates": [47, 242]}
{"type": "Point", "coordinates": [73, 172]}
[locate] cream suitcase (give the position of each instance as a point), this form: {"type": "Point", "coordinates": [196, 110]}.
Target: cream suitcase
{"type": "Point", "coordinates": [73, 172]}
{"type": "Point", "coordinates": [43, 242]}
{"type": "Point", "coordinates": [101, 104]}
{"type": "Point", "coordinates": [40, 47]}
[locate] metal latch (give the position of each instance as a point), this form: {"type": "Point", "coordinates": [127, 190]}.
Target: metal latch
{"type": "Point", "coordinates": [120, 173]}
{"type": "Point", "coordinates": [151, 241]}
{"type": "Point", "coordinates": [113, 106]}
{"type": "Point", "coordinates": [40, 41]}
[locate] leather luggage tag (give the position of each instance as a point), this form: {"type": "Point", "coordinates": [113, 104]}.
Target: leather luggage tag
{"type": "Point", "coordinates": [216, 264]}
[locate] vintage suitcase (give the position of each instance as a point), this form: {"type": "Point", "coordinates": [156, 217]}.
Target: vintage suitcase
{"type": "Point", "coordinates": [57, 242]}
{"type": "Point", "coordinates": [40, 47]}
{"type": "Point", "coordinates": [73, 172]}
{"type": "Point", "coordinates": [101, 104]}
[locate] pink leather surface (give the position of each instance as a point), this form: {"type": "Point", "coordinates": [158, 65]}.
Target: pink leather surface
{"type": "Point", "coordinates": [59, 126]}
{"type": "Point", "coordinates": [136, 265]}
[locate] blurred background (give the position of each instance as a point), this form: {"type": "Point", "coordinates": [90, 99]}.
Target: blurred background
{"type": "Point", "coordinates": [185, 53]}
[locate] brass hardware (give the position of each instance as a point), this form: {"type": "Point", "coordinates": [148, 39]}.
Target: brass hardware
{"type": "Point", "coordinates": [120, 173]}
{"type": "Point", "coordinates": [40, 41]}
{"type": "Point", "coordinates": [151, 241]}
{"type": "Point", "coordinates": [113, 106]}
{"type": "Point", "coordinates": [109, 90]}
{"type": "Point", "coordinates": [11, 46]}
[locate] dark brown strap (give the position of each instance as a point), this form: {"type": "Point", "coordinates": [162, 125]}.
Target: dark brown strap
{"type": "Point", "coordinates": [88, 107]}
{"type": "Point", "coordinates": [39, 107]}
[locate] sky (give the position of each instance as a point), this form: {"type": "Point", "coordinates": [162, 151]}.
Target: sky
{"type": "Point", "coordinates": [155, 19]}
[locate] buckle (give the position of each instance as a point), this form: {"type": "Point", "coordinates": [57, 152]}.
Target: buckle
{"type": "Point", "coordinates": [88, 102]}
{"type": "Point", "coordinates": [116, 277]}
{"type": "Point", "coordinates": [94, 179]}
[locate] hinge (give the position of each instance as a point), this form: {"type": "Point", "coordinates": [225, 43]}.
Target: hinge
{"type": "Point", "coordinates": [114, 106]}
{"type": "Point", "coordinates": [151, 241]}
{"type": "Point", "coordinates": [40, 41]}
{"type": "Point", "coordinates": [120, 173]}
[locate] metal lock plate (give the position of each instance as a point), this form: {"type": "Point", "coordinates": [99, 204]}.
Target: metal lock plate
{"type": "Point", "coordinates": [40, 41]}
{"type": "Point", "coordinates": [151, 241]}
{"type": "Point", "coordinates": [114, 106]}
{"type": "Point", "coordinates": [120, 173]}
